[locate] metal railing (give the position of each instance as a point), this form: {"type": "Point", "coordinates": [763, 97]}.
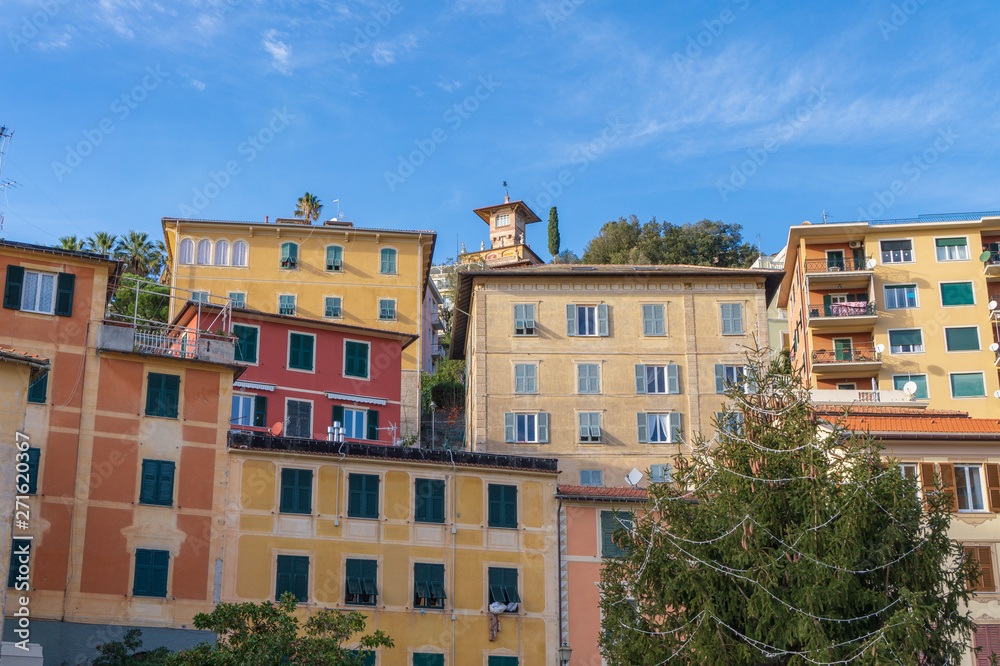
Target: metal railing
{"type": "Point", "coordinates": [994, 255]}
{"type": "Point", "coordinates": [853, 355]}
{"type": "Point", "coordinates": [836, 265]}
{"type": "Point", "coordinates": [844, 309]}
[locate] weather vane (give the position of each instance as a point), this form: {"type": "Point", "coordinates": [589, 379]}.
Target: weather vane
{"type": "Point", "coordinates": [506, 190]}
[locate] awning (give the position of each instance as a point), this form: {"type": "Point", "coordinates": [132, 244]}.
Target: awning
{"type": "Point", "coordinates": [356, 398]}
{"type": "Point", "coordinates": [253, 385]}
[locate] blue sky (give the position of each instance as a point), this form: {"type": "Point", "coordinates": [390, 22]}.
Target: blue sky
{"type": "Point", "coordinates": [412, 114]}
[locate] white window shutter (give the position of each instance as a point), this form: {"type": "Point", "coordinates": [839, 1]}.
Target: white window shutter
{"type": "Point", "coordinates": [508, 427]}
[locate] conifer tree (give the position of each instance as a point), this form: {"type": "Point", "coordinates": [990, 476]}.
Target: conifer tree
{"type": "Point", "coordinates": [553, 231]}
{"type": "Point", "coordinates": [786, 541]}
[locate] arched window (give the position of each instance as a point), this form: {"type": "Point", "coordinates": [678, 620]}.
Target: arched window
{"type": "Point", "coordinates": [186, 255]}
{"type": "Point", "coordinates": [239, 253]}
{"type": "Point", "coordinates": [334, 258]}
{"type": "Point", "coordinates": [289, 255]}
{"type": "Point", "coordinates": [222, 253]}
{"type": "Point", "coordinates": [204, 252]}
{"type": "Point", "coordinates": [388, 264]}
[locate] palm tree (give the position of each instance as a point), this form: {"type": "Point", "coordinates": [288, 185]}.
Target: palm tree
{"type": "Point", "coordinates": [141, 256]}
{"type": "Point", "coordinates": [102, 242]}
{"type": "Point", "coordinates": [308, 207]}
{"type": "Point", "coordinates": [70, 243]}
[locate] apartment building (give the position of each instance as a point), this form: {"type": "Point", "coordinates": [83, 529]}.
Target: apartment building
{"type": "Point", "coordinates": [333, 271]}
{"type": "Point", "coordinates": [606, 367]}
{"type": "Point", "coordinates": [876, 307]}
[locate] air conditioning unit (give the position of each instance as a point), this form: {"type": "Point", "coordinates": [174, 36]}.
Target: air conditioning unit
{"type": "Point", "coordinates": [855, 244]}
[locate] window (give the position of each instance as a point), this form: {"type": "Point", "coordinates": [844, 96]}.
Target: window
{"type": "Point", "coordinates": [956, 294]}
{"type": "Point", "coordinates": [38, 292]}
{"type": "Point", "coordinates": [502, 505]}
{"type": "Point", "coordinates": [659, 428]}
{"type": "Point", "coordinates": [204, 252]}
{"type": "Point", "coordinates": [503, 219]}
{"type": "Point", "coordinates": [906, 341]}
{"type": "Point", "coordinates": [298, 418]}
{"type": "Point", "coordinates": [387, 309]}
{"type": "Point", "coordinates": [20, 554]}
{"type": "Point", "coordinates": [331, 307]}
{"type": "Point", "coordinates": [965, 338]}
{"type": "Point", "coordinates": [588, 378]}
{"type": "Point", "coordinates": [613, 522]}
{"type": "Point", "coordinates": [367, 656]}
{"type": "Point", "coordinates": [242, 411]}
{"type": "Point", "coordinates": [429, 504]}
{"type": "Point", "coordinates": [296, 491]}
{"type": "Point", "coordinates": [221, 253]}
{"type": "Point", "coordinates": [286, 304]}
{"type": "Point", "coordinates": [200, 296]}
{"type": "Point", "coordinates": [150, 573]}
{"type": "Point", "coordinates": [590, 427]}
{"type": "Point", "coordinates": [162, 395]}
{"type": "Point", "coordinates": [31, 459]}
{"type": "Point", "coordinates": [983, 557]}
{"type": "Point", "coordinates": [238, 299]}
{"type": "Point", "coordinates": [525, 378]}
{"type": "Point", "coordinates": [909, 471]}
{"type": "Point", "coordinates": [362, 500]}
{"type": "Point", "coordinates": [38, 385]}
{"type": "Point", "coordinates": [157, 486]}
{"type": "Point", "coordinates": [968, 487]}
{"type": "Point", "coordinates": [524, 319]}
{"type": "Point", "coordinates": [899, 381]}
{"type": "Point", "coordinates": [727, 375]}
{"type": "Point", "coordinates": [334, 258]}
{"type": "Point", "coordinates": [661, 473]}
{"type": "Point", "coordinates": [835, 260]}
{"type": "Point", "coordinates": [951, 249]}
{"type": "Point", "coordinates": [503, 585]}
{"type": "Point", "coordinates": [847, 386]}
{"type": "Point", "coordinates": [427, 659]}
{"type": "Point", "coordinates": [357, 423]}
{"type": "Point", "coordinates": [587, 320]}
{"type": "Point", "coordinates": [652, 320]}
{"type": "Point", "coordinates": [900, 296]}
{"type": "Point", "coordinates": [239, 253]}
{"type": "Point", "coordinates": [45, 293]}
{"type": "Point", "coordinates": [967, 384]}
{"type": "Point", "coordinates": [657, 378]}
{"type": "Point", "coordinates": [292, 576]}
{"type": "Point", "coordinates": [246, 343]}
{"type": "Point", "coordinates": [897, 251]}
{"type": "Point", "coordinates": [387, 262]}
{"type": "Point", "coordinates": [732, 318]}
{"type": "Point", "coordinates": [591, 477]}
{"type": "Point", "coordinates": [300, 351]}
{"type": "Point", "coordinates": [356, 359]}
{"type": "Point", "coordinates": [494, 660]}
{"type": "Point", "coordinates": [361, 582]}
{"type": "Point", "coordinates": [186, 253]}
{"type": "Point", "coordinates": [526, 428]}
{"type": "Point", "coordinates": [428, 585]}
{"type": "Point", "coordinates": [260, 411]}
{"type": "Point", "coordinates": [289, 255]}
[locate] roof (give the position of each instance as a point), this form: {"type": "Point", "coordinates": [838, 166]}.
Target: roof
{"type": "Point", "coordinates": [466, 278]}
{"type": "Point", "coordinates": [907, 423]}
{"type": "Point", "coordinates": [406, 338]}
{"type": "Point", "coordinates": [27, 358]}
{"type": "Point", "coordinates": [527, 213]}
{"type": "Point", "coordinates": [76, 254]}
{"type": "Point", "coordinates": [606, 493]}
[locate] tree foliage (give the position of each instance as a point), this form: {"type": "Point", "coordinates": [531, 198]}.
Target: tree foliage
{"type": "Point", "coordinates": [783, 542]}
{"type": "Point", "coordinates": [101, 242]}
{"type": "Point", "coordinates": [566, 257]}
{"type": "Point", "coordinates": [309, 207]}
{"type": "Point", "coordinates": [553, 231]}
{"type": "Point", "coordinates": [703, 243]}
{"type": "Point", "coordinates": [153, 299]}
{"type": "Point", "coordinates": [71, 243]}
{"type": "Point", "coordinates": [446, 387]}
{"type": "Point", "coordinates": [142, 256]}
{"type": "Point", "coordinates": [126, 652]}
{"type": "Point", "coordinates": [268, 634]}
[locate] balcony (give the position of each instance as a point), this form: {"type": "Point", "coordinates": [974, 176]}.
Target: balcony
{"type": "Point", "coordinates": [165, 340]}
{"type": "Point", "coordinates": [854, 360]}
{"type": "Point", "coordinates": [857, 315]}
{"type": "Point", "coordinates": [991, 266]}
{"type": "Point", "coordinates": [837, 269]}
{"type": "Point", "coordinates": [874, 398]}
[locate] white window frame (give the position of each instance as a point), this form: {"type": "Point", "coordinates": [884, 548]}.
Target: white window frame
{"type": "Point", "coordinates": [38, 291]}
{"type": "Point", "coordinates": [248, 416]}
{"type": "Point", "coordinates": [257, 349]}
{"type": "Point", "coordinates": [663, 375]}
{"type": "Point", "coordinates": [649, 429]}
{"type": "Point", "coordinates": [246, 254]}
{"type": "Point", "coordinates": [888, 339]}
{"type": "Point", "coordinates": [200, 296]}
{"type": "Point", "coordinates": [502, 216]}
{"type": "Point", "coordinates": [227, 247]}
{"type": "Point", "coordinates": [913, 251]}
{"type": "Point", "coordinates": [394, 313]}
{"type": "Point", "coordinates": [743, 327]}
{"type": "Point", "coordinates": [364, 422]}
{"type": "Point", "coordinates": [326, 252]}
{"type": "Point", "coordinates": [288, 352]}
{"type": "Point", "coordinates": [232, 300]}
{"type": "Point", "coordinates": [885, 296]}
{"type": "Point", "coordinates": [579, 366]}
{"type": "Point", "coordinates": [662, 309]}
{"type": "Point", "coordinates": [979, 338]}
{"type": "Point", "coordinates": [592, 473]}
{"type": "Point", "coordinates": [968, 253]}
{"type": "Point", "coordinates": [590, 439]}
{"type": "Point", "coordinates": [847, 386]}
{"type": "Point", "coordinates": [191, 254]}
{"type": "Point", "coordinates": [312, 414]}
{"type": "Point", "coordinates": [197, 252]}
{"type": "Point", "coordinates": [533, 417]}
{"type": "Point", "coordinates": [971, 283]}
{"type": "Point", "coordinates": [395, 260]}
{"type": "Point", "coordinates": [909, 376]}
{"type": "Point", "coordinates": [298, 255]}
{"type": "Point", "coordinates": [533, 378]}
{"type": "Point", "coordinates": [534, 320]}
{"type": "Point", "coordinates": [295, 304]}
{"type": "Point", "coordinates": [597, 328]}
{"type": "Point", "coordinates": [951, 389]}
{"type": "Point", "coordinates": [343, 366]}
{"type": "Point", "coordinates": [843, 258]}
{"type": "Point", "coordinates": [965, 467]}
{"type": "Point", "coordinates": [341, 307]}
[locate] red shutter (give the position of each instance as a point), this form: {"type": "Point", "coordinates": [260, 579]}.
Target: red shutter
{"type": "Point", "coordinates": [987, 580]}
{"type": "Point", "coordinates": [993, 486]}
{"type": "Point", "coordinates": [927, 475]}
{"type": "Point", "coordinates": [948, 482]}
{"type": "Point", "coordinates": [987, 641]}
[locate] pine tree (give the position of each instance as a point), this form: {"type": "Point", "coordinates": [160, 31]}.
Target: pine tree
{"type": "Point", "coordinates": [553, 231]}
{"type": "Point", "coordinates": [785, 542]}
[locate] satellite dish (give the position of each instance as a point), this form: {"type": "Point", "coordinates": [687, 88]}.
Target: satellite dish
{"type": "Point", "coordinates": [996, 394]}
{"type": "Point", "coordinates": [994, 347]}
{"type": "Point", "coordinates": [985, 256]}
{"type": "Point", "coordinates": [880, 348]}
{"type": "Point", "coordinates": [634, 477]}
{"type": "Point", "coordinates": [276, 429]}
{"type": "Point", "coordinates": [910, 388]}
{"type": "Point", "coordinates": [993, 305]}
{"type": "Point", "coordinates": [871, 263]}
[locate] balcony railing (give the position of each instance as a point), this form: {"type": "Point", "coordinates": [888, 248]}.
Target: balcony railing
{"type": "Point", "coordinates": [845, 309]}
{"type": "Point", "coordinates": [851, 396]}
{"type": "Point", "coordinates": [854, 355]}
{"type": "Point", "coordinates": [836, 265]}
{"type": "Point", "coordinates": [994, 258]}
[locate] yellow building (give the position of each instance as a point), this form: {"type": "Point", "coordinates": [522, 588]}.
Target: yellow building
{"type": "Point", "coordinates": [333, 271]}
{"type": "Point", "coordinates": [422, 542]}
{"type": "Point", "coordinates": [508, 237]}
{"type": "Point", "coordinates": [606, 367]}
{"type": "Point", "coordinates": [875, 306]}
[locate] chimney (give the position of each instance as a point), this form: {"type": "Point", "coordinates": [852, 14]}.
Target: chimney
{"type": "Point", "coordinates": [506, 198]}
{"type": "Point", "coordinates": [265, 219]}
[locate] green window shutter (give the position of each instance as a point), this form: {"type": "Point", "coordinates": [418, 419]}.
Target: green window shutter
{"type": "Point", "coordinates": [356, 364]}
{"type": "Point", "coordinates": [12, 288]}
{"type": "Point", "coordinates": [296, 491]}
{"type": "Point", "coordinates": [543, 427]}
{"type": "Point", "coordinates": [676, 429]}
{"type": "Point", "coordinates": [38, 388]}
{"type": "Point", "coordinates": [609, 525]}
{"type": "Point", "coordinates": [292, 576]}
{"type": "Point", "coordinates": [148, 484]}
{"type": "Point", "coordinates": [502, 505]}
{"type": "Point", "coordinates": [581, 379]}
{"type": "Point", "coordinates": [34, 455]}
{"type": "Point", "coordinates": [519, 370]}
{"type": "Point", "coordinates": [260, 411]}
{"type": "Point", "coordinates": [659, 321]}
{"type": "Point", "coordinates": [338, 415]}
{"type": "Point", "coordinates": [673, 378]}
{"type": "Point", "coordinates": [151, 568]}
{"type": "Point", "coordinates": [720, 378]}
{"type": "Point", "coordinates": [640, 378]}
{"type": "Point", "coordinates": [508, 427]}
{"type": "Point", "coordinates": [949, 242]}
{"type": "Point", "coordinates": [161, 564]}
{"type": "Point", "coordinates": [18, 547]}
{"type": "Point", "coordinates": [427, 659]}
{"type": "Point", "coordinates": [171, 392]}
{"type": "Point", "coordinates": [246, 343]}
{"type": "Point", "coordinates": [501, 661]}
{"type": "Point", "coordinates": [300, 351]}
{"type": "Point", "coordinates": [334, 256]}
{"type": "Point", "coordinates": [154, 395]}
{"type": "Point", "coordinates": [968, 385]}
{"type": "Point", "coordinates": [373, 425]}
{"type": "Point", "coordinates": [957, 293]}
{"type": "Point", "coordinates": [429, 504]}
{"type": "Point", "coordinates": [570, 320]}
{"type": "Point", "coordinates": [905, 337]}
{"type": "Point", "coordinates": [899, 382]}
{"type": "Point", "coordinates": [602, 320]}
{"type": "Point", "coordinates": [165, 483]}
{"type": "Point", "coordinates": [510, 506]}
{"type": "Point", "coordinates": [64, 294]}
{"type": "Point", "coordinates": [362, 500]}
{"type": "Point", "coordinates": [641, 427]}
{"type": "Point", "coordinates": [962, 339]}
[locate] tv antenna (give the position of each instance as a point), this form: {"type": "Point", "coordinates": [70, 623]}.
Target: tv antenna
{"type": "Point", "coordinates": [5, 135]}
{"type": "Point", "coordinates": [337, 216]}
{"type": "Point", "coordinates": [824, 216]}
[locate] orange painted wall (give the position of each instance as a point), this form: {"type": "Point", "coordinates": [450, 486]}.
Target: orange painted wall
{"type": "Point", "coordinates": [585, 613]}
{"type": "Point", "coordinates": [863, 383]}
{"type": "Point", "coordinates": [818, 251]}
{"type": "Point", "coordinates": [190, 579]}
{"type": "Point", "coordinates": [121, 386]}
{"type": "Point", "coordinates": [67, 380]}
{"type": "Point", "coordinates": [59, 464]}
{"type": "Point", "coordinates": [581, 531]}
{"type": "Point", "coordinates": [858, 340]}
{"type": "Point", "coordinates": [114, 470]}
{"type": "Point", "coordinates": [197, 478]}
{"type": "Point", "coordinates": [105, 560]}
{"type": "Point", "coordinates": [50, 561]}
{"type": "Point", "coordinates": [201, 395]}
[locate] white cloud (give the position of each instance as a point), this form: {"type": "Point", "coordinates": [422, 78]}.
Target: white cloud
{"type": "Point", "coordinates": [281, 53]}
{"type": "Point", "coordinates": [384, 53]}
{"type": "Point", "coordinates": [479, 6]}
{"type": "Point", "coordinates": [197, 85]}
{"type": "Point", "coordinates": [448, 86]}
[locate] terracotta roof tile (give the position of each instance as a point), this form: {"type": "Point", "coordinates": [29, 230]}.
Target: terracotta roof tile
{"type": "Point", "coordinates": [602, 492]}
{"type": "Point", "coordinates": [11, 354]}
{"type": "Point", "coordinates": [923, 424]}
{"type": "Point", "coordinates": [878, 410]}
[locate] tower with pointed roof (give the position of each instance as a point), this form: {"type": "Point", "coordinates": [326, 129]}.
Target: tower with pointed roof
{"type": "Point", "coordinates": [508, 244]}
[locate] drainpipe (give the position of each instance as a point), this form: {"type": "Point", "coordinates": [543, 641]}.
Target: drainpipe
{"type": "Point", "coordinates": [559, 590]}
{"type": "Point", "coordinates": [454, 511]}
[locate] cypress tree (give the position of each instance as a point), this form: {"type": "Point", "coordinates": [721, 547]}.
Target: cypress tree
{"type": "Point", "coordinates": [553, 231]}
